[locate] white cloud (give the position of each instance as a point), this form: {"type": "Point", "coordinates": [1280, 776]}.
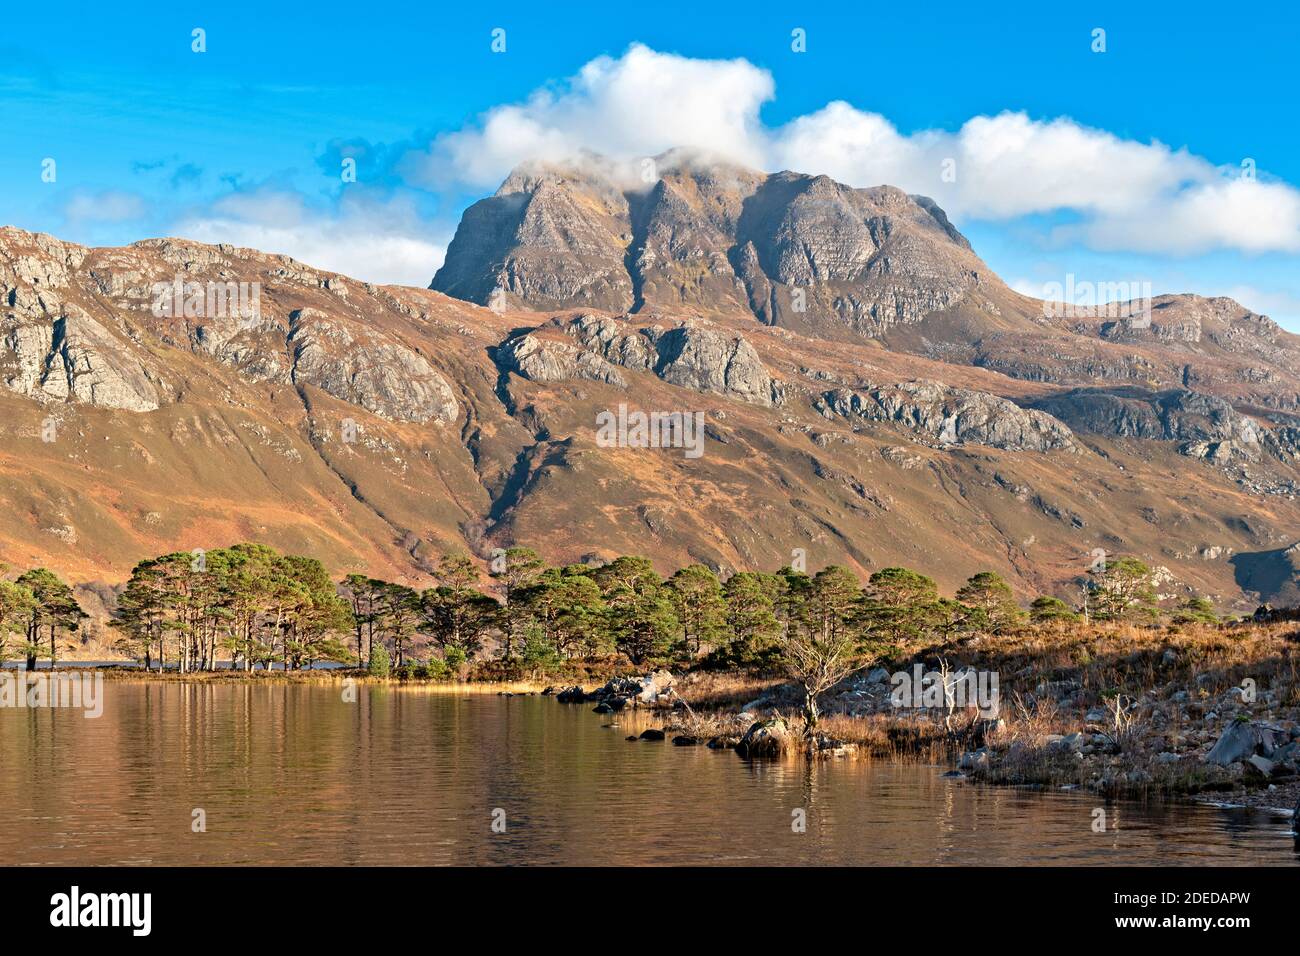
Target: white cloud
{"type": "Point", "coordinates": [640, 104]}
{"type": "Point", "coordinates": [264, 205]}
{"type": "Point", "coordinates": [110, 205]}
{"type": "Point", "coordinates": [1027, 287]}
{"type": "Point", "coordinates": [849, 145]}
{"type": "Point", "coordinates": [1128, 194]}
{"type": "Point", "coordinates": [1132, 196]}
{"type": "Point", "coordinates": [1242, 214]}
{"type": "Point", "coordinates": [380, 242]}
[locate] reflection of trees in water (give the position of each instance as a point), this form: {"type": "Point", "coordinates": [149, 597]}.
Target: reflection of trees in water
{"type": "Point", "coordinates": [297, 774]}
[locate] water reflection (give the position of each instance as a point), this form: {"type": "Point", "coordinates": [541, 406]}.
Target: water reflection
{"type": "Point", "coordinates": [293, 774]}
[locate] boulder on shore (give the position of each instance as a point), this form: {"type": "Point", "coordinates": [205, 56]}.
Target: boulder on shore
{"type": "Point", "coordinates": [619, 691]}
{"type": "Point", "coordinates": [823, 745]}
{"type": "Point", "coordinates": [1240, 741]}
{"type": "Point", "coordinates": [766, 738]}
{"type": "Point", "coordinates": [974, 760]}
{"type": "Point", "coordinates": [1262, 764]}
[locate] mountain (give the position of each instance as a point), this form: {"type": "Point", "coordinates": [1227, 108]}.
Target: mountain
{"type": "Point", "coordinates": [802, 252]}
{"type": "Point", "coordinates": [811, 255]}
{"type": "Point", "coordinates": [914, 410]}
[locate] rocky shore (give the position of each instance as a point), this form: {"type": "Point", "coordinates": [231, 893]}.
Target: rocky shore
{"type": "Point", "coordinates": [748, 734]}
{"type": "Point", "coordinates": [1203, 713]}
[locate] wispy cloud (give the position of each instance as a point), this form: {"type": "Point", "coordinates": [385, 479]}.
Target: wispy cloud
{"type": "Point", "coordinates": [381, 240]}
{"type": "Point", "coordinates": [178, 173]}
{"type": "Point", "coordinates": [104, 206]}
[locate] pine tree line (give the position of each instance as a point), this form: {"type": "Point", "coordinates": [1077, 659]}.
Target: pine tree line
{"type": "Point", "coordinates": [256, 607]}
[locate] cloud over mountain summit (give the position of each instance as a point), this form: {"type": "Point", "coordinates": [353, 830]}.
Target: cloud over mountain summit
{"type": "Point", "coordinates": [1121, 193]}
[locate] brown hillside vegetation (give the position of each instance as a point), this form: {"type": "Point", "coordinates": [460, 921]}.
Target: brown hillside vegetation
{"type": "Point", "coordinates": [379, 427]}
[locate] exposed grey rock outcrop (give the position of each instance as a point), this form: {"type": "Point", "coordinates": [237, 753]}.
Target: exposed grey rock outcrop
{"type": "Point", "coordinates": [73, 358]}
{"type": "Point", "coordinates": [1240, 741]}
{"type": "Point", "coordinates": [89, 364]}
{"type": "Point", "coordinates": [950, 415]}
{"type": "Point", "coordinates": [766, 738]}
{"type": "Point", "coordinates": [253, 346]}
{"type": "Point", "coordinates": [546, 239]}
{"type": "Point", "coordinates": [609, 339]}
{"type": "Point", "coordinates": [52, 349]}
{"type": "Point", "coordinates": [546, 360]}
{"type": "Point", "coordinates": [1183, 321]}
{"type": "Point", "coordinates": [708, 361]}
{"type": "Point", "coordinates": [866, 258]}
{"type": "Point", "coordinates": [381, 375]}
{"type": "Point", "coordinates": [1208, 426]}
{"type": "Point", "coordinates": [690, 355]}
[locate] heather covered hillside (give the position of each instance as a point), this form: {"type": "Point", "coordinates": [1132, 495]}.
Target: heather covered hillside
{"type": "Point", "coordinates": [869, 394]}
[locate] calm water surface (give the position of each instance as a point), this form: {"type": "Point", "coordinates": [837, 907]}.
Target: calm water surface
{"type": "Point", "coordinates": [292, 774]}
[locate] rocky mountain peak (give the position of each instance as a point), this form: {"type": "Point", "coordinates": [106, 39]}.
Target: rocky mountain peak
{"type": "Point", "coordinates": [692, 233]}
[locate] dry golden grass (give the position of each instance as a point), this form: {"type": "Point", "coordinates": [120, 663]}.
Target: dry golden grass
{"type": "Point", "coordinates": [1104, 660]}
{"type": "Point", "coordinates": [725, 690]}
{"type": "Point", "coordinates": [1130, 659]}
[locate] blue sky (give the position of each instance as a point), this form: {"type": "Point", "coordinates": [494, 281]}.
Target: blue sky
{"type": "Point", "coordinates": [1116, 165]}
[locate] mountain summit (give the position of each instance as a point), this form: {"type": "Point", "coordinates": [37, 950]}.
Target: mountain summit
{"type": "Point", "coordinates": [793, 250]}
{"type": "Point", "coordinates": [687, 235]}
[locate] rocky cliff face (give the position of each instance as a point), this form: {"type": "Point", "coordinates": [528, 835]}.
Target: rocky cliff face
{"type": "Point", "coordinates": [550, 359]}
{"type": "Point", "coordinates": [795, 250]}
{"type": "Point", "coordinates": [1191, 323]}
{"type": "Point", "coordinates": [548, 239]}
{"type": "Point", "coordinates": [809, 254]}
{"type": "Point", "coordinates": [1205, 426]}
{"type": "Point", "coordinates": [1177, 415]}
{"type": "Point", "coordinates": [382, 376]}
{"type": "Point", "coordinates": [1250, 362]}
{"type": "Point", "coordinates": [53, 349]}
{"type": "Point", "coordinates": [950, 416]}
{"type": "Point", "coordinates": [56, 350]}
{"type": "Point", "coordinates": [690, 355]}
